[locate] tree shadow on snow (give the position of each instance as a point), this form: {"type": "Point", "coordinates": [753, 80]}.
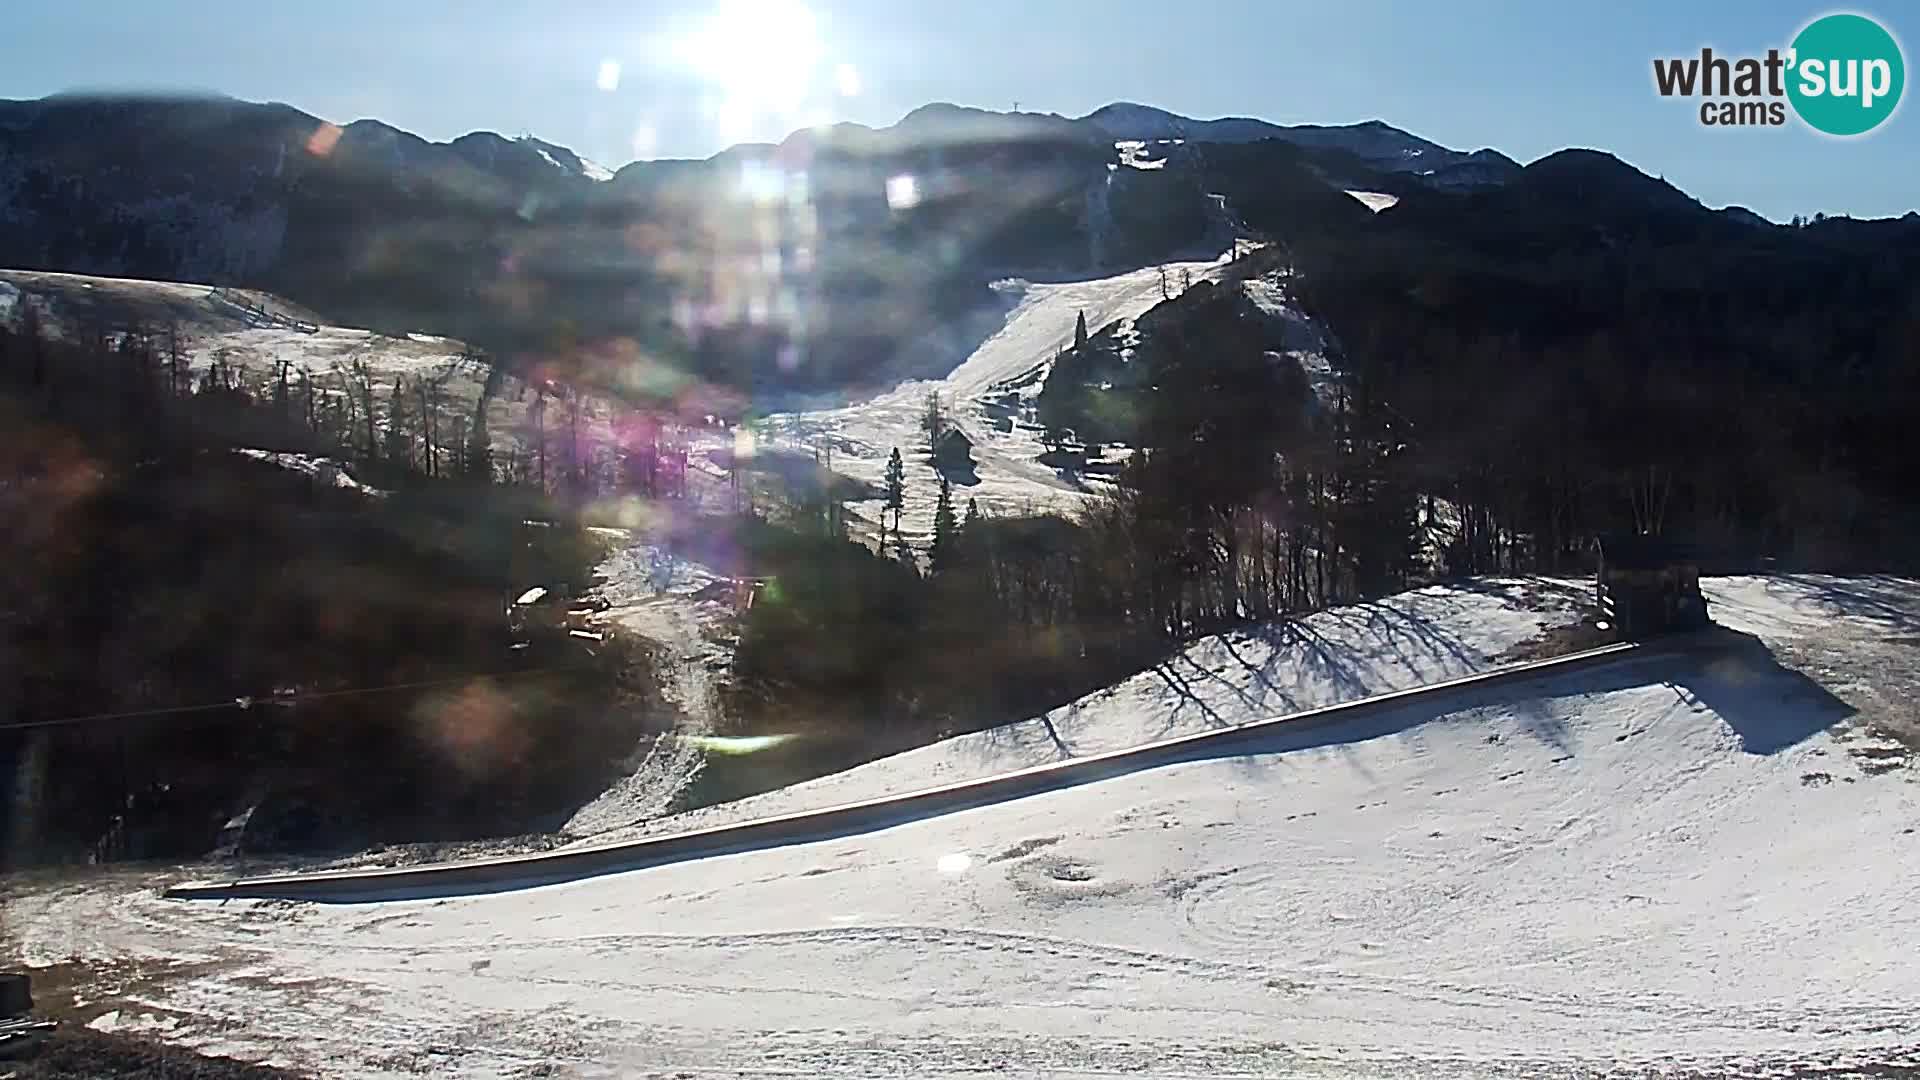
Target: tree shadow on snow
{"type": "Point", "coordinates": [1885, 598]}
{"type": "Point", "coordinates": [1315, 654]}
{"type": "Point", "coordinates": [1040, 733]}
{"type": "Point", "coordinates": [1409, 638]}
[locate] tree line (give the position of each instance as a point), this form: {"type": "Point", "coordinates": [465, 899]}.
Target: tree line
{"type": "Point", "coordinates": [1244, 498]}
{"type": "Point", "coordinates": [1562, 367]}
{"type": "Point", "coordinates": [1503, 389]}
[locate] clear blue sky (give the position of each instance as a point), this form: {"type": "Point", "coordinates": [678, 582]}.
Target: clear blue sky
{"type": "Point", "coordinates": [695, 75]}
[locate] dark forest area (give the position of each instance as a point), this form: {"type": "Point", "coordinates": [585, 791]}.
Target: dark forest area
{"type": "Point", "coordinates": [192, 631]}
{"type": "Point", "coordinates": [1588, 350]}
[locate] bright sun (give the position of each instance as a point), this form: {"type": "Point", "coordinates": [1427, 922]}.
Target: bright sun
{"type": "Point", "coordinates": [759, 56]}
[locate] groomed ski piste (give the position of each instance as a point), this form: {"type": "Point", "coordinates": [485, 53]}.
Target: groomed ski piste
{"type": "Point", "coordinates": [1008, 478]}
{"type": "Point", "coordinates": [1698, 861]}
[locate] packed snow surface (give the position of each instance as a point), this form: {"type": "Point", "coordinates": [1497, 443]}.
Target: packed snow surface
{"type": "Point", "coordinates": [1306, 344]}
{"type": "Point", "coordinates": [1141, 155]}
{"type": "Point", "coordinates": [683, 607]}
{"type": "Point", "coordinates": [324, 469]}
{"type": "Point", "coordinates": [1675, 863]}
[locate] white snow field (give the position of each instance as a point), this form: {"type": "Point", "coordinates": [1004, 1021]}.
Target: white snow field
{"type": "Point", "coordinates": [1375, 201]}
{"type": "Point", "coordinates": [1679, 865]}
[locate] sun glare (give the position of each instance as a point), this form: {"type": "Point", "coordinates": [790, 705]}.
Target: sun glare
{"type": "Point", "coordinates": [846, 79]}
{"type": "Point", "coordinates": [759, 56]}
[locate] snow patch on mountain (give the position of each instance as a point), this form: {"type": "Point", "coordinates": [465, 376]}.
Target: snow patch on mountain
{"type": "Point", "coordinates": [325, 470]}
{"type": "Point", "coordinates": [1140, 154]}
{"type": "Point", "coordinates": [1375, 142]}
{"type": "Point", "coordinates": [1008, 478]}
{"type": "Point", "coordinates": [1306, 344]}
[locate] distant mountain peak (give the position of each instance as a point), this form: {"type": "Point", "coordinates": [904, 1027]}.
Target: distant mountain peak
{"type": "Point", "coordinates": [1744, 216]}
{"type": "Point", "coordinates": [1597, 185]}
{"type": "Point", "coordinates": [943, 122]}
{"type": "Point", "coordinates": [939, 109]}
{"type": "Point", "coordinates": [1120, 110]}
{"type": "Point", "coordinates": [525, 158]}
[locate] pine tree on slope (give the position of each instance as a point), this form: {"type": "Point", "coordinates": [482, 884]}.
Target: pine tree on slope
{"type": "Point", "coordinates": [896, 491]}
{"type": "Point", "coordinates": [940, 555]}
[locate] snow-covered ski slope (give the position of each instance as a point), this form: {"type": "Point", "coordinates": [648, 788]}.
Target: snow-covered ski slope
{"type": "Point", "coordinates": [1673, 866]}
{"type": "Point", "coordinates": [1413, 639]}
{"type": "Point", "coordinates": [1010, 481]}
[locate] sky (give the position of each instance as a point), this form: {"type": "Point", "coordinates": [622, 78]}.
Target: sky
{"type": "Point", "coordinates": [686, 78]}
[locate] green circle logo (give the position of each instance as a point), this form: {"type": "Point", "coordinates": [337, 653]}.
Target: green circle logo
{"type": "Point", "coordinates": [1847, 74]}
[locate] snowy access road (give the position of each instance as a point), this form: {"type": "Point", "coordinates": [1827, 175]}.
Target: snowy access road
{"type": "Point", "coordinates": [1681, 867]}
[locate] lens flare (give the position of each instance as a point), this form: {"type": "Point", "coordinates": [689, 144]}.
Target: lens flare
{"type": "Point", "coordinates": [323, 140]}
{"type": "Point", "coordinates": [645, 140]}
{"type": "Point", "coordinates": [846, 79]}
{"type": "Point", "coordinates": [903, 192]}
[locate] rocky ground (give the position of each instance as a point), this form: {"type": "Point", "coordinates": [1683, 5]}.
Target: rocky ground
{"type": "Point", "coordinates": [78, 1053]}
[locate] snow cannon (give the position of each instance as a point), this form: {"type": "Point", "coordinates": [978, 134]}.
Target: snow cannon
{"type": "Point", "coordinates": [1647, 586]}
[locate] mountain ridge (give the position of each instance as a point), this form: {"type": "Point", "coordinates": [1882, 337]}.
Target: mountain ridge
{"type": "Point", "coordinates": [876, 233]}
{"type": "Point", "coordinates": [1381, 141]}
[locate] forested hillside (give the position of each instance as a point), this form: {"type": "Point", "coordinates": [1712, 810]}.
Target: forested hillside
{"type": "Point", "coordinates": [222, 594]}
{"type": "Point", "coordinates": [1589, 349]}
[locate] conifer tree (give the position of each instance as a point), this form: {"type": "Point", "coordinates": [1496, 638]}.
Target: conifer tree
{"type": "Point", "coordinates": [896, 491]}
{"type": "Point", "coordinates": [941, 554]}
